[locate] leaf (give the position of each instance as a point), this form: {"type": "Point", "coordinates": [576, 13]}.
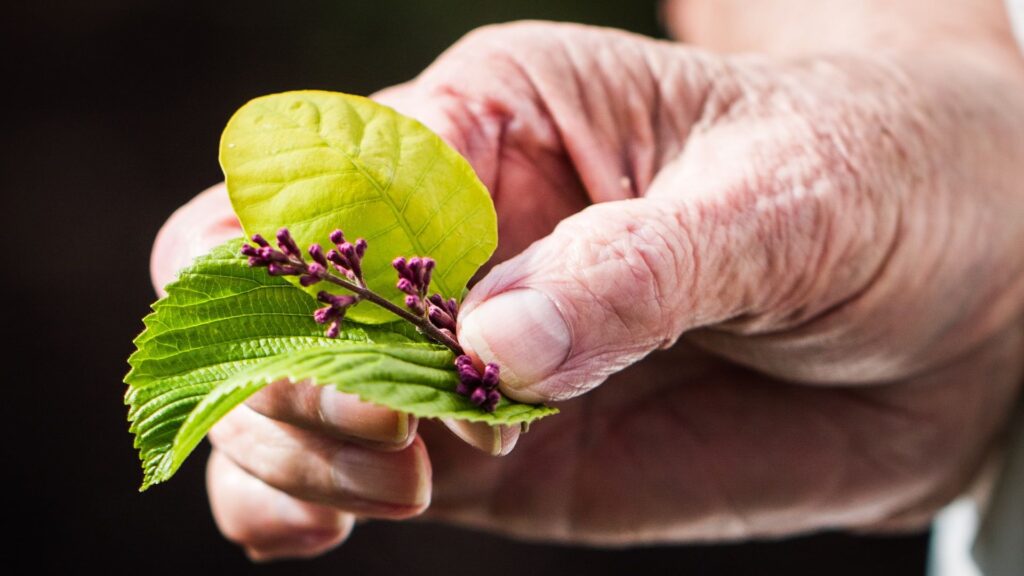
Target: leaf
{"type": "Point", "coordinates": [414, 378]}
{"type": "Point", "coordinates": [225, 330]}
{"type": "Point", "coordinates": [316, 161]}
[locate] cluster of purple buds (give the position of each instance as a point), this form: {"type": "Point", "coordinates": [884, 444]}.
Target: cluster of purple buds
{"type": "Point", "coordinates": [481, 389]}
{"type": "Point", "coordinates": [288, 260]}
{"type": "Point", "coordinates": [433, 315]}
{"type": "Point", "coordinates": [414, 280]}
{"type": "Point", "coordinates": [334, 312]}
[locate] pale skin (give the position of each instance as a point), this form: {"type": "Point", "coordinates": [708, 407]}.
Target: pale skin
{"type": "Point", "coordinates": [771, 293]}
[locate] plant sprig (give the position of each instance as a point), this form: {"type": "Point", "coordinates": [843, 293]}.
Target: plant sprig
{"type": "Point", "coordinates": [433, 316]}
{"type": "Point", "coordinates": [313, 162]}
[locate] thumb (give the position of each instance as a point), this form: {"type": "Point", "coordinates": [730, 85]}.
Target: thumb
{"type": "Point", "coordinates": [606, 287]}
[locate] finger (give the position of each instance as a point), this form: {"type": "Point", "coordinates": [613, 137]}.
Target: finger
{"type": "Point", "coordinates": [317, 468]}
{"type": "Point", "coordinates": [267, 522]}
{"type": "Point", "coordinates": [204, 222]}
{"type": "Point", "coordinates": [324, 410]}
{"type": "Point", "coordinates": [495, 440]}
{"type": "Point", "coordinates": [608, 286]}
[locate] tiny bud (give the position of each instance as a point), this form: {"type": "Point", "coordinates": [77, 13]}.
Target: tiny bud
{"type": "Point", "coordinates": [338, 260]}
{"type": "Point", "coordinates": [287, 244]}
{"type": "Point", "coordinates": [463, 359]}
{"type": "Point", "coordinates": [468, 374]}
{"type": "Point", "coordinates": [334, 330]}
{"type": "Point", "coordinates": [360, 247]}
{"type": "Point", "coordinates": [437, 300]}
{"type": "Point", "coordinates": [406, 286]}
{"type": "Point", "coordinates": [415, 270]}
{"type": "Point", "coordinates": [337, 237]}
{"type": "Point", "coordinates": [256, 261]}
{"type": "Point", "coordinates": [260, 240]}
{"type": "Point", "coordinates": [440, 318]}
{"type": "Point", "coordinates": [453, 307]}
{"type": "Point", "coordinates": [349, 252]}
{"type": "Point", "coordinates": [315, 269]}
{"type": "Point", "coordinates": [401, 266]}
{"type": "Point", "coordinates": [428, 269]}
{"type": "Point", "coordinates": [249, 250]}
{"type": "Point", "coordinates": [343, 301]}
{"type": "Point", "coordinates": [317, 254]}
{"type": "Point", "coordinates": [307, 280]}
{"type": "Point", "coordinates": [493, 397]}
{"type": "Point", "coordinates": [324, 315]}
{"type": "Point", "coordinates": [490, 377]}
{"type": "Point", "coordinates": [414, 304]}
{"type": "Point", "coordinates": [271, 255]}
{"type": "Point", "coordinates": [478, 397]}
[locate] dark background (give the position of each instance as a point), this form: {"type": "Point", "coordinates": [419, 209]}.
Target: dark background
{"type": "Point", "coordinates": [113, 116]}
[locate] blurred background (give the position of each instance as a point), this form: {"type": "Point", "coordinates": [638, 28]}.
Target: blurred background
{"type": "Point", "coordinates": [115, 110]}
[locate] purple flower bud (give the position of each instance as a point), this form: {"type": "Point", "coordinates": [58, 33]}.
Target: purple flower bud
{"type": "Point", "coordinates": [463, 359]}
{"type": "Point", "coordinates": [337, 237]}
{"type": "Point", "coordinates": [256, 261]}
{"type": "Point", "coordinates": [402, 267]}
{"type": "Point", "coordinates": [438, 317]}
{"type": "Point", "coordinates": [463, 389]}
{"type": "Point", "coordinates": [338, 260]}
{"type": "Point", "coordinates": [493, 397]}
{"type": "Point", "coordinates": [317, 254]}
{"type": "Point", "coordinates": [315, 269]}
{"type": "Point", "coordinates": [275, 269]}
{"type": "Point", "coordinates": [427, 271]}
{"type": "Point", "coordinates": [436, 300]}
{"type": "Point", "coordinates": [360, 247]}
{"type": "Point", "coordinates": [415, 270]}
{"type": "Point", "coordinates": [324, 315]}
{"type": "Point", "coordinates": [343, 301]}
{"type": "Point", "coordinates": [467, 373]}
{"type": "Point", "coordinates": [478, 397]}
{"type": "Point", "coordinates": [334, 330]}
{"type": "Point", "coordinates": [249, 250]}
{"type": "Point", "coordinates": [453, 307]}
{"type": "Point", "coordinates": [271, 255]}
{"type": "Point", "coordinates": [307, 280]}
{"type": "Point", "coordinates": [490, 377]}
{"type": "Point", "coordinates": [260, 240]}
{"type": "Point", "coordinates": [287, 244]}
{"type": "Point", "coordinates": [349, 252]}
{"type": "Point", "coordinates": [337, 301]}
{"type": "Point", "coordinates": [406, 286]}
{"type": "Point", "coordinates": [414, 304]}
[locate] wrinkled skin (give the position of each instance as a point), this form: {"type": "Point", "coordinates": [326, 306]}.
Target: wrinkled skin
{"type": "Point", "coordinates": [824, 253]}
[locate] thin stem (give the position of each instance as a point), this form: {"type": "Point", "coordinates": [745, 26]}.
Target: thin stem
{"type": "Point", "coordinates": [422, 324]}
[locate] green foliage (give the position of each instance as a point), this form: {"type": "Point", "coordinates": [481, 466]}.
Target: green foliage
{"type": "Point", "coordinates": [225, 330]}
{"type": "Point", "coordinates": [315, 161]}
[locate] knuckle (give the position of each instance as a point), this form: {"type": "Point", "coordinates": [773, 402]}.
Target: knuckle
{"type": "Point", "coordinates": [637, 272]}
{"type": "Point", "coordinates": [509, 35]}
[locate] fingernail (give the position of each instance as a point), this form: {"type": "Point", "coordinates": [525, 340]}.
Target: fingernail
{"type": "Point", "coordinates": [299, 545]}
{"type": "Point", "coordinates": [350, 416]}
{"type": "Point", "coordinates": [383, 477]}
{"type": "Point", "coordinates": [520, 330]}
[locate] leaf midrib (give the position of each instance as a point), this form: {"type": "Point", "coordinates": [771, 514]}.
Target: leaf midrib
{"type": "Point", "coordinates": [413, 238]}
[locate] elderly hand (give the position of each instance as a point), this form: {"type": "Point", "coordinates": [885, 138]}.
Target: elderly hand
{"type": "Point", "coordinates": [776, 294]}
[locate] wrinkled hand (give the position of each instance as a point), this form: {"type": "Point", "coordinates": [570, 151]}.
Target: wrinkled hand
{"type": "Point", "coordinates": [824, 255]}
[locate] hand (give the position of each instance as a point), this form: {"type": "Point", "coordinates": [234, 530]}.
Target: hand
{"type": "Point", "coordinates": [835, 238]}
